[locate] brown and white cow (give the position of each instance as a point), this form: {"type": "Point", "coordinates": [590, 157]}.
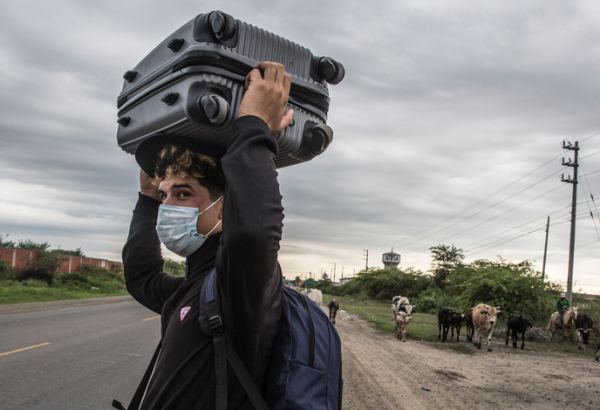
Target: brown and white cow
{"type": "Point", "coordinates": [401, 321]}
{"type": "Point", "coordinates": [484, 320]}
{"type": "Point", "coordinates": [333, 308]}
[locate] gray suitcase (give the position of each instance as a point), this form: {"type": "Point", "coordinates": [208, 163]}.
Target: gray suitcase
{"type": "Point", "coordinates": [192, 84]}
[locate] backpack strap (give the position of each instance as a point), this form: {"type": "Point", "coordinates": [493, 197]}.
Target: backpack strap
{"type": "Point", "coordinates": [141, 390]}
{"type": "Point", "coordinates": [211, 324]}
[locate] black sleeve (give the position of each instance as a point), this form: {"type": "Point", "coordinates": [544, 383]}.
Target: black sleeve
{"type": "Point", "coordinates": [247, 268]}
{"type": "Point", "coordinates": [142, 259]}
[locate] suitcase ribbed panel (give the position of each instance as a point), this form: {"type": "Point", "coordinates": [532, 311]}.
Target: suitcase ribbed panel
{"type": "Point", "coordinates": [261, 45]}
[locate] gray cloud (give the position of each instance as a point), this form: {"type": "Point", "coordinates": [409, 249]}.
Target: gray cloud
{"type": "Point", "coordinates": [443, 104]}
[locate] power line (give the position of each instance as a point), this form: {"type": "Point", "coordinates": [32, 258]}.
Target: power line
{"type": "Point", "coordinates": [516, 227]}
{"type": "Point", "coordinates": [485, 209]}
{"type": "Point", "coordinates": [594, 153]}
{"type": "Point", "coordinates": [503, 213]}
{"type": "Point", "coordinates": [475, 204]}
{"type": "Point", "coordinates": [585, 139]}
{"type": "Point", "coordinates": [588, 202]}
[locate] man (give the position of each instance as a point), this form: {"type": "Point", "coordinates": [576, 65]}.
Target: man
{"type": "Point", "coordinates": [562, 305]}
{"type": "Point", "coordinates": [217, 212]}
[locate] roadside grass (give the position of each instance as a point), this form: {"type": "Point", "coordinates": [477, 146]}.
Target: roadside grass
{"type": "Point", "coordinates": [89, 283]}
{"type": "Point", "coordinates": [424, 327]}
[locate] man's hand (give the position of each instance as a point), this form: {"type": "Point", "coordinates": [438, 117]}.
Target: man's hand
{"type": "Point", "coordinates": [267, 91]}
{"type": "Point", "coordinates": [146, 187]}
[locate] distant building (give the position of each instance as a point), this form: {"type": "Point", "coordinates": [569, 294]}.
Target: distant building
{"type": "Point", "coordinates": [390, 260]}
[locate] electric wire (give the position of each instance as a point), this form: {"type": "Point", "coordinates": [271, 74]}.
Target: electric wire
{"type": "Point", "coordinates": [398, 243]}
{"type": "Point", "coordinates": [503, 213]}
{"type": "Point", "coordinates": [588, 202]}
{"type": "Point", "coordinates": [485, 209]}
{"type": "Point", "coordinates": [595, 135]}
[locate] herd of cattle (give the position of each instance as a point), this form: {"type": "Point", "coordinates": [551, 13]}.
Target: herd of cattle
{"type": "Point", "coordinates": [483, 318]}
{"type": "Point", "coordinates": [479, 319]}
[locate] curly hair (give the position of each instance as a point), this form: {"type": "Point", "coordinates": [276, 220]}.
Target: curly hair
{"type": "Point", "coordinates": [173, 160]}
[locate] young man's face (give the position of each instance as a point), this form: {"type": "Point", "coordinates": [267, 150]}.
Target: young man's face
{"type": "Point", "coordinates": [188, 192]}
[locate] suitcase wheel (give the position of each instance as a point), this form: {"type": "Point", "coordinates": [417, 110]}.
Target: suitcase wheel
{"type": "Point", "coordinates": [175, 44]}
{"type": "Point", "coordinates": [319, 139]}
{"type": "Point", "coordinates": [223, 25]}
{"type": "Point", "coordinates": [329, 69]}
{"type": "Point", "coordinates": [129, 76]}
{"type": "Point", "coordinates": [215, 107]}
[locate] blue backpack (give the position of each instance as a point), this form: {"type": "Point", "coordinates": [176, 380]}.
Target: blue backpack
{"type": "Point", "coordinates": [305, 371]}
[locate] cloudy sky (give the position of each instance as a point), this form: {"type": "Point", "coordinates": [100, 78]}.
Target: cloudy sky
{"type": "Point", "coordinates": [448, 127]}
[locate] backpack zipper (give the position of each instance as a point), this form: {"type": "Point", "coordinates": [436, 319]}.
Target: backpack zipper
{"type": "Point", "coordinates": [311, 359]}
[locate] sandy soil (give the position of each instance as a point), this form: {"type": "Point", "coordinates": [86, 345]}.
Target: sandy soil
{"type": "Point", "coordinates": [381, 372]}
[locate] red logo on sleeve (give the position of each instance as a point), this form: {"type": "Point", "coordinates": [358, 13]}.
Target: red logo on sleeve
{"type": "Point", "coordinates": [184, 312]}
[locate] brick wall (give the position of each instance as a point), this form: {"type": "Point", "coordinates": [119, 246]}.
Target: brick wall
{"type": "Point", "coordinates": [18, 258]}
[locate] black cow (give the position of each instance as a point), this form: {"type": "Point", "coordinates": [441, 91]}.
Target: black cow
{"type": "Point", "coordinates": [333, 308]}
{"type": "Point", "coordinates": [456, 323]}
{"type": "Point", "coordinates": [444, 321]}
{"type": "Point", "coordinates": [518, 325]}
{"type": "Point", "coordinates": [469, 323]}
{"type": "Point", "coordinates": [583, 324]}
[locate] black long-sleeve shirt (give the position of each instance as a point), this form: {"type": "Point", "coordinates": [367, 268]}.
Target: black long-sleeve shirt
{"type": "Point", "coordinates": [248, 274]}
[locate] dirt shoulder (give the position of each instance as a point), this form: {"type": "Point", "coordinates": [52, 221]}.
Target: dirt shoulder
{"type": "Point", "coordinates": [381, 372]}
{"type": "Point", "coordinates": [14, 308]}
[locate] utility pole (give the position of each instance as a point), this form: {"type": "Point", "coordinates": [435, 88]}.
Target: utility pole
{"type": "Point", "coordinates": [545, 249]}
{"type": "Point", "coordinates": [333, 272]}
{"type": "Point", "coordinates": [575, 166]}
{"type": "Point", "coordinates": [367, 259]}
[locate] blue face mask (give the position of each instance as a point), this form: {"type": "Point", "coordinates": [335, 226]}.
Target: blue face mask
{"type": "Point", "coordinates": [176, 228]}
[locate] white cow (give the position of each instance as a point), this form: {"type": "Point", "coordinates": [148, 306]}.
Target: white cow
{"type": "Point", "coordinates": [315, 295]}
{"type": "Point", "coordinates": [401, 303]}
{"type": "Point", "coordinates": [402, 320]}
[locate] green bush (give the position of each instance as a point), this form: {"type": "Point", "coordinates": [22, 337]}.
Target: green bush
{"type": "Point", "coordinates": [431, 300]}
{"type": "Point", "coordinates": [35, 272]}
{"type": "Point", "coordinates": [384, 284]}
{"type": "Point", "coordinates": [174, 268]}
{"type": "Point", "coordinates": [516, 288]}
{"type": "Point", "coordinates": [34, 283]}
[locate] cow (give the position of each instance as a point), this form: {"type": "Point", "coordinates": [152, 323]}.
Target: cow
{"type": "Point", "coordinates": [444, 323]}
{"type": "Point", "coordinates": [333, 308]}
{"type": "Point", "coordinates": [569, 318]}
{"type": "Point", "coordinates": [469, 323]}
{"type": "Point", "coordinates": [518, 325]}
{"type": "Point", "coordinates": [401, 321]}
{"type": "Point", "coordinates": [315, 295]}
{"type": "Point", "coordinates": [598, 349]}
{"type": "Point", "coordinates": [401, 304]}
{"type": "Point", "coordinates": [456, 323]}
{"type": "Point", "coordinates": [583, 325]}
{"type": "Point", "coordinates": [484, 320]}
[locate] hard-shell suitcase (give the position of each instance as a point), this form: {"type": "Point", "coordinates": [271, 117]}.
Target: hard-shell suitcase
{"type": "Point", "coordinates": [192, 84]}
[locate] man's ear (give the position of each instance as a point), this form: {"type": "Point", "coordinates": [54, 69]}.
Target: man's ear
{"type": "Point", "coordinates": [220, 207]}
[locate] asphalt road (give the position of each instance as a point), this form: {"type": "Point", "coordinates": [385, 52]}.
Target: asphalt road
{"type": "Point", "coordinates": [75, 358]}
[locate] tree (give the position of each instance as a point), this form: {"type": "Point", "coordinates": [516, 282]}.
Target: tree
{"type": "Point", "coordinates": [445, 260]}
{"type": "Point", "coordinates": [515, 287]}
{"type": "Point", "coordinates": [29, 245]}
{"type": "Point", "coordinates": [76, 252]}
{"type": "Point", "coordinates": [5, 243]}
